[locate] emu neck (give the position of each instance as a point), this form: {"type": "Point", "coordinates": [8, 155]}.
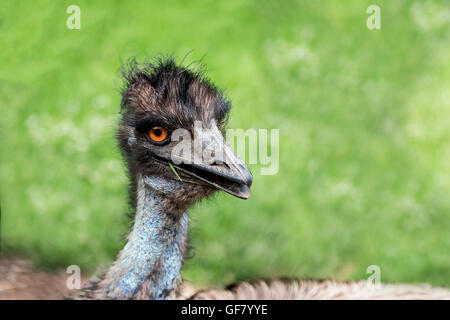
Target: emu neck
{"type": "Point", "coordinates": [149, 265]}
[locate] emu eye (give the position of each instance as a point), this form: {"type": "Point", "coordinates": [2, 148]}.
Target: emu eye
{"type": "Point", "coordinates": [158, 134]}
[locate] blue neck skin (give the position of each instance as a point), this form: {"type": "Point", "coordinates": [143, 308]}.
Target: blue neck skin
{"type": "Point", "coordinates": [149, 265]}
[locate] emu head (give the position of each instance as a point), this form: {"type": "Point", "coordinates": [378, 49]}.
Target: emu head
{"type": "Point", "coordinates": [171, 130]}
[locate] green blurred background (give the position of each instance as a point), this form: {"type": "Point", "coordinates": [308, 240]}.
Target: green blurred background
{"type": "Point", "coordinates": [364, 119]}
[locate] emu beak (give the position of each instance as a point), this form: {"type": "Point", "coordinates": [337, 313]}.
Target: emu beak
{"type": "Point", "coordinates": [214, 164]}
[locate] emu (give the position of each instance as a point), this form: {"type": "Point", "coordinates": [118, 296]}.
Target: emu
{"type": "Point", "coordinates": [157, 99]}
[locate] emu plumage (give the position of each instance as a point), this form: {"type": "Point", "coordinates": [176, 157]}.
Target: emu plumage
{"type": "Point", "coordinates": [166, 96]}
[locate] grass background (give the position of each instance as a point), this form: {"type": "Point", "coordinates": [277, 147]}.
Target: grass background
{"type": "Point", "coordinates": [364, 118]}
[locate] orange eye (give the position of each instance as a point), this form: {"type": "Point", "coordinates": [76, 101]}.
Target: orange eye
{"type": "Point", "coordinates": [158, 134]}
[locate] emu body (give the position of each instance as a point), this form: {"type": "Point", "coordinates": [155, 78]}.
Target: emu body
{"type": "Point", "coordinates": [160, 98]}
